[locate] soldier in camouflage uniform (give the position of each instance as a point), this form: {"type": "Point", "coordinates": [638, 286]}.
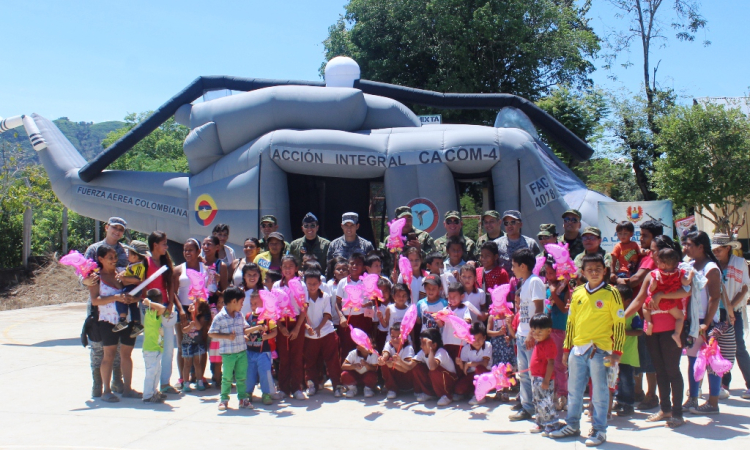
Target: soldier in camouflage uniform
{"type": "Point", "coordinates": [310, 243]}
{"type": "Point", "coordinates": [492, 229]}
{"type": "Point", "coordinates": [268, 225]}
{"type": "Point", "coordinates": [547, 235]}
{"type": "Point", "coordinates": [423, 239]}
{"type": "Point", "coordinates": [592, 239]}
{"type": "Point", "coordinates": [454, 227]}
{"type": "Point", "coordinates": [571, 234]}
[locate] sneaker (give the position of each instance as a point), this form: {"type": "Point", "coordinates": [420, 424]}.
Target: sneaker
{"type": "Point", "coordinates": [691, 402]}
{"type": "Point", "coordinates": [120, 326]}
{"type": "Point", "coordinates": [562, 404]}
{"type": "Point", "coordinates": [746, 394]}
{"type": "Point", "coordinates": [223, 405]}
{"type": "Point", "coordinates": [246, 403]}
{"type": "Point", "coordinates": [564, 432]}
{"type": "Point", "coordinates": [266, 399]}
{"type": "Point", "coordinates": [598, 438]}
{"type": "Point", "coordinates": [277, 395]}
{"type": "Point", "coordinates": [423, 398]}
{"type": "Point", "coordinates": [299, 395]}
{"type": "Point", "coordinates": [169, 390]}
{"type": "Point", "coordinates": [444, 401]}
{"type": "Point", "coordinates": [520, 415]}
{"type": "Point", "coordinates": [625, 411]}
{"type": "Point", "coordinates": [186, 387]}
{"type": "Point", "coordinates": [178, 386]}
{"type": "Point", "coordinates": [474, 401]}
{"type": "Point", "coordinates": [723, 393]}
{"type": "Point", "coordinates": [351, 391]}
{"type": "Point", "coordinates": [156, 398]}
{"type": "Point", "coordinates": [391, 395]}
{"type": "Point", "coordinates": [162, 395]}
{"type": "Point", "coordinates": [705, 410]}
{"type": "Point", "coordinates": [536, 429]}
{"type": "Point", "coordinates": [551, 428]}
{"type": "Point", "coordinates": [137, 329]}
{"type": "Point", "coordinates": [339, 391]}
{"type": "Point", "coordinates": [369, 392]}
{"type": "Point", "coordinates": [617, 407]}
{"type": "Point", "coordinates": [311, 388]}
{"type": "Point", "coordinates": [516, 407]}
{"type": "Point", "coordinates": [200, 386]}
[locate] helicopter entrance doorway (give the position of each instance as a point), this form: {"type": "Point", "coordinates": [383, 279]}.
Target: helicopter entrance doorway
{"type": "Point", "coordinates": [328, 198]}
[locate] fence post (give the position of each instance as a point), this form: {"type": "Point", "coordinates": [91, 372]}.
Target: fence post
{"type": "Point", "coordinates": [27, 219]}
{"type": "Point", "coordinates": [97, 226]}
{"type": "Point", "coordinates": [65, 231]}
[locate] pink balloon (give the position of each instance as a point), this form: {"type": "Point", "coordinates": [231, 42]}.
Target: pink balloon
{"type": "Point", "coordinates": [284, 304]}
{"type": "Point", "coordinates": [496, 379]}
{"type": "Point", "coordinates": [540, 261]}
{"type": "Point", "coordinates": [269, 310]}
{"type": "Point", "coordinates": [354, 297]}
{"type": "Point", "coordinates": [407, 323]}
{"type": "Point", "coordinates": [500, 306]}
{"type": "Point", "coordinates": [395, 241]}
{"type": "Point", "coordinates": [198, 289]}
{"type": "Point", "coordinates": [83, 266]}
{"type": "Point", "coordinates": [404, 266]}
{"type": "Point", "coordinates": [461, 329]}
{"type": "Point", "coordinates": [699, 368]}
{"type": "Point", "coordinates": [564, 266]}
{"type": "Point", "coordinates": [361, 338]}
{"type": "Point", "coordinates": [298, 291]}
{"type": "Point", "coordinates": [370, 286]}
{"type": "Point", "coordinates": [719, 365]}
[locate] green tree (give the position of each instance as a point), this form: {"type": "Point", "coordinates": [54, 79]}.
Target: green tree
{"type": "Point", "coordinates": [581, 111]}
{"type": "Point", "coordinates": [612, 177]}
{"type": "Point", "coordinates": [706, 160]}
{"type": "Point", "coordinates": [647, 20]}
{"type": "Point", "coordinates": [513, 46]}
{"type": "Point", "coordinates": [160, 151]}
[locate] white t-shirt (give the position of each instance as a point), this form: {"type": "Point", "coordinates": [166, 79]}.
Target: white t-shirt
{"type": "Point", "coordinates": [354, 358]}
{"type": "Point", "coordinates": [736, 277]}
{"type": "Point", "coordinates": [407, 351]}
{"type": "Point", "coordinates": [330, 287]}
{"type": "Point", "coordinates": [316, 309]}
{"type": "Point", "coordinates": [396, 315]}
{"type": "Point", "coordinates": [381, 308]}
{"type": "Point", "coordinates": [476, 300]}
{"type": "Point", "coordinates": [531, 289]}
{"type": "Point", "coordinates": [341, 293]}
{"type": "Point", "coordinates": [470, 354]}
{"type": "Point", "coordinates": [447, 331]}
{"type": "Point", "coordinates": [443, 358]}
{"type": "Point", "coordinates": [246, 307]}
{"type": "Point", "coordinates": [704, 293]}
{"type": "Point", "coordinates": [417, 290]}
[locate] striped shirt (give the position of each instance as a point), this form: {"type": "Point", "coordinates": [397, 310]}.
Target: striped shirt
{"type": "Point", "coordinates": [224, 324]}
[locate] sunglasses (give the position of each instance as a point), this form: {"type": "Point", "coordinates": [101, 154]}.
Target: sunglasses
{"type": "Point", "coordinates": [511, 222]}
{"type": "Point", "coordinates": [251, 247]}
{"type": "Point", "coordinates": [452, 221]}
{"type": "Point", "coordinates": [570, 220]}
{"type": "Point", "coordinates": [266, 225]}
{"type": "Point", "coordinates": [589, 237]}
{"type": "Point", "coordinates": [309, 226]}
{"type": "Point", "coordinates": [544, 238]}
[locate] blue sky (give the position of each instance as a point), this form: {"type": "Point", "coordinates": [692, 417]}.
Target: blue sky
{"type": "Point", "coordinates": [98, 61]}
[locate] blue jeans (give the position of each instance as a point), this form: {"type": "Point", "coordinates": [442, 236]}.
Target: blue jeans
{"type": "Point", "coordinates": [524, 357]}
{"type": "Point", "coordinates": [580, 369]}
{"type": "Point", "coordinates": [167, 356]}
{"type": "Point", "coordinates": [626, 386]}
{"type": "Point", "coordinates": [259, 369]}
{"type": "Point", "coordinates": [743, 358]}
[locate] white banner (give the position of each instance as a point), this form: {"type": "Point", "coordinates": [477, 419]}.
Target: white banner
{"type": "Point", "coordinates": [611, 213]}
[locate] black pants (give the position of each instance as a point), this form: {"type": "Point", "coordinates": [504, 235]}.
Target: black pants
{"type": "Point", "coordinates": [665, 354]}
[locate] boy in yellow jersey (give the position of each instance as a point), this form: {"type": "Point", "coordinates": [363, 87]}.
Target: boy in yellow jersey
{"type": "Point", "coordinates": [595, 336]}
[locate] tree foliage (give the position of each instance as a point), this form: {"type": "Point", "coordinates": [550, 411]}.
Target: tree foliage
{"type": "Point", "coordinates": [513, 46]}
{"type": "Point", "coordinates": [160, 151]}
{"type": "Point", "coordinates": [706, 160]}
{"type": "Point", "coordinates": [612, 177]}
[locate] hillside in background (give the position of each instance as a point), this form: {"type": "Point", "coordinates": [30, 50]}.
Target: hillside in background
{"type": "Point", "coordinates": [87, 137]}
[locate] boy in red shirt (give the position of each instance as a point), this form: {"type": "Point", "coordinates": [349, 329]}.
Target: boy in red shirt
{"type": "Point", "coordinates": [542, 368]}
{"type": "Point", "coordinates": [627, 253]}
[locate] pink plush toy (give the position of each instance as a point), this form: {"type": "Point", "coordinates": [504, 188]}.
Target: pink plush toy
{"type": "Point", "coordinates": [407, 323]}
{"type": "Point", "coordinates": [404, 266]}
{"type": "Point", "coordinates": [461, 329]}
{"type": "Point", "coordinates": [370, 284]}
{"type": "Point", "coordinates": [540, 261]}
{"type": "Point", "coordinates": [284, 304]}
{"type": "Point", "coordinates": [83, 266]}
{"type": "Point", "coordinates": [269, 310]}
{"type": "Point", "coordinates": [710, 356]}
{"type": "Point", "coordinates": [563, 264]}
{"type": "Point", "coordinates": [395, 242]}
{"type": "Point", "coordinates": [198, 291]}
{"type": "Point", "coordinates": [500, 306]}
{"type": "Point", "coordinates": [354, 297]}
{"type": "Point", "coordinates": [496, 379]}
{"type": "Point", "coordinates": [297, 290]}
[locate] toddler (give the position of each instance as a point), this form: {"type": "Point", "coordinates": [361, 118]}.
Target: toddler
{"type": "Point", "coordinates": [667, 278]}
{"type": "Point", "coordinates": [259, 353]}
{"type": "Point", "coordinates": [153, 346]}
{"type": "Point", "coordinates": [475, 359]}
{"type": "Point", "coordinates": [627, 253]}
{"type": "Point", "coordinates": [133, 275]}
{"type": "Point", "coordinates": [542, 368]}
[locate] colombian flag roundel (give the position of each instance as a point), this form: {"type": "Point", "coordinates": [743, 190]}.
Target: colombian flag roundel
{"type": "Point", "coordinates": [205, 210]}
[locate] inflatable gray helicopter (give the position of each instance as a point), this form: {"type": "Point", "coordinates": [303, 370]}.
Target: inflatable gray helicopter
{"type": "Point", "coordinates": [286, 147]}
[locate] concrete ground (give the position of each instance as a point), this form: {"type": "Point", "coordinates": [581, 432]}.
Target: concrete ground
{"type": "Point", "coordinates": [45, 377]}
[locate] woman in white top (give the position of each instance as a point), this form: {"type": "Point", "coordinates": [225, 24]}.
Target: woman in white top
{"type": "Point", "coordinates": [104, 294]}
{"type": "Point", "coordinates": [216, 279]}
{"type": "Point", "coordinates": [191, 254]}
{"type": "Point", "coordinates": [698, 248]}
{"type": "Point", "coordinates": [251, 248]}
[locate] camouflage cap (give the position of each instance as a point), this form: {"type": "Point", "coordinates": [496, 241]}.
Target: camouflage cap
{"type": "Point", "coordinates": [575, 212]}
{"type": "Point", "coordinates": [547, 230]}
{"type": "Point", "coordinates": [592, 230]}
{"type": "Point", "coordinates": [452, 215]}
{"type": "Point", "coordinates": [491, 213]}
{"type": "Point", "coordinates": [269, 218]}
{"type": "Point", "coordinates": [403, 211]}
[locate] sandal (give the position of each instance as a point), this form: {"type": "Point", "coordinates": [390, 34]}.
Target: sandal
{"type": "Point", "coordinates": [657, 417]}
{"type": "Point", "coordinates": [675, 422]}
{"type": "Point", "coordinates": [132, 394]}
{"type": "Point", "coordinates": [110, 398]}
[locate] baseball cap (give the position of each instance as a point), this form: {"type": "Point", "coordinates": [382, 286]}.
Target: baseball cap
{"type": "Point", "coordinates": [452, 215]}
{"type": "Point", "coordinates": [431, 279]}
{"type": "Point", "coordinates": [309, 218]}
{"type": "Point", "coordinates": [117, 221]}
{"type": "Point", "coordinates": [403, 211]}
{"type": "Point", "coordinates": [491, 213]}
{"type": "Point", "coordinates": [269, 218]}
{"type": "Point", "coordinates": [575, 212]}
{"type": "Point", "coordinates": [139, 247]}
{"type": "Point", "coordinates": [350, 217]}
{"type": "Point", "coordinates": [592, 230]}
{"type": "Point", "coordinates": [512, 213]}
{"type": "Point", "coordinates": [547, 229]}
{"type": "Point", "coordinates": [275, 235]}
